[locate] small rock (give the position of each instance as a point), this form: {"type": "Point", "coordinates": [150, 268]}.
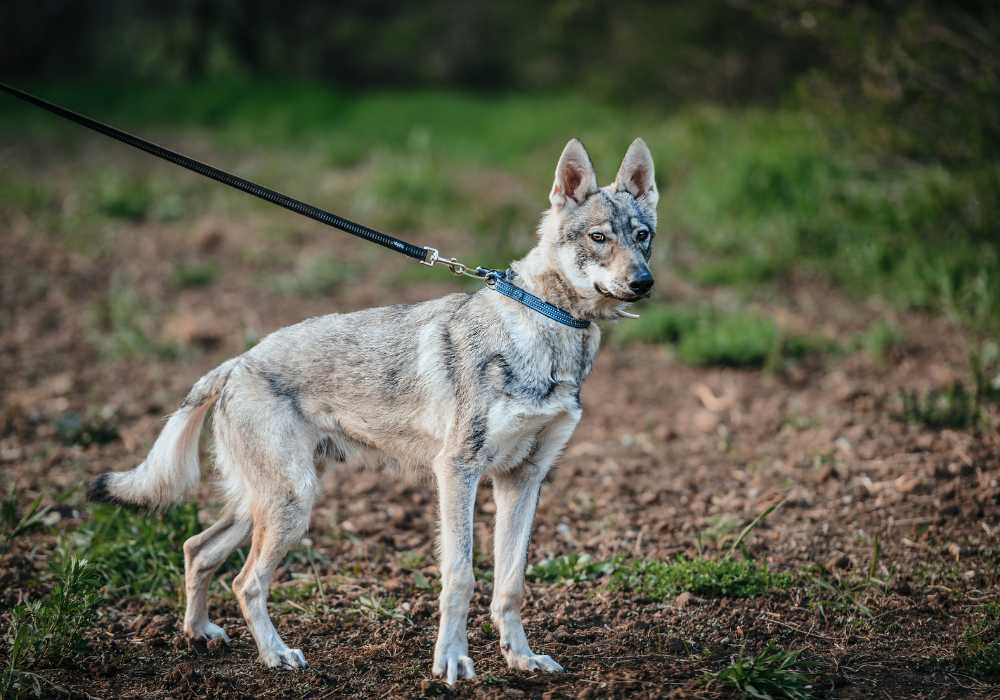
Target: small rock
{"type": "Point", "coordinates": [682, 600]}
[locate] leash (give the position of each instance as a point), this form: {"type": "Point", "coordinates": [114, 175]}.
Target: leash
{"type": "Point", "coordinates": [498, 280]}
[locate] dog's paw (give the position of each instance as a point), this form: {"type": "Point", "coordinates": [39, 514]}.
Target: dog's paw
{"type": "Point", "coordinates": [453, 666]}
{"type": "Point", "coordinates": [207, 633]}
{"type": "Point", "coordinates": [285, 659]}
{"type": "Point", "coordinates": [533, 662]}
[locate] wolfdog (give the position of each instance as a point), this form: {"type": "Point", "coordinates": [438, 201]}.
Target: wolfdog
{"type": "Point", "coordinates": [467, 386]}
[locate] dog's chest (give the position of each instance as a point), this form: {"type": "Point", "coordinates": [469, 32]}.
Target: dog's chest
{"type": "Point", "coordinates": [528, 387]}
{"type": "Point", "coordinates": [542, 374]}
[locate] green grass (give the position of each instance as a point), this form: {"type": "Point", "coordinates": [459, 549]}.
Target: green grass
{"type": "Point", "coordinates": [725, 577]}
{"type": "Point", "coordinates": [955, 407]}
{"type": "Point", "coordinates": [770, 191]}
{"type": "Point", "coordinates": [660, 580]}
{"type": "Point", "coordinates": [48, 631]}
{"type": "Point", "coordinates": [570, 568]}
{"type": "Point", "coordinates": [771, 674]}
{"type": "Point", "coordinates": [15, 520]}
{"type": "Point", "coordinates": [84, 429]}
{"type": "Point", "coordinates": [756, 193]}
{"type": "Point", "coordinates": [985, 365]}
{"type": "Point", "coordinates": [121, 197]}
{"type": "Point", "coordinates": [880, 340]}
{"type": "Point", "coordinates": [316, 276]}
{"type": "Point", "coordinates": [193, 275]}
{"type": "Point", "coordinates": [979, 650]}
{"type": "Point", "coordinates": [121, 324]}
{"type": "Point", "coordinates": [24, 195]}
{"type": "Point", "coordinates": [709, 337]}
{"type": "Point", "coordinates": [138, 553]}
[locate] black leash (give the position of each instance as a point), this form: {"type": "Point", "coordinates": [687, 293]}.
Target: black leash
{"type": "Point", "coordinates": [495, 279]}
{"type": "Point", "coordinates": [252, 188]}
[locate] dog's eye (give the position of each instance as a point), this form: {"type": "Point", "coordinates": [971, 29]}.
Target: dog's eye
{"type": "Point", "coordinates": [598, 237]}
{"type": "Point", "coordinates": [642, 236]}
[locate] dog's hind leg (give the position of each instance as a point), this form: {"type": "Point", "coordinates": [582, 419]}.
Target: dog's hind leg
{"type": "Point", "coordinates": [203, 554]}
{"type": "Point", "coordinates": [516, 496]}
{"type": "Point", "coordinates": [457, 501]}
{"type": "Point", "coordinates": [277, 527]}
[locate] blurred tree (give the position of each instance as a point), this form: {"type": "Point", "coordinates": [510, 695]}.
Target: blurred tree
{"type": "Point", "coordinates": [929, 70]}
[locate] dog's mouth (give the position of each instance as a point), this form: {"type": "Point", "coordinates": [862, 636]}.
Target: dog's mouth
{"type": "Point", "coordinates": [629, 298]}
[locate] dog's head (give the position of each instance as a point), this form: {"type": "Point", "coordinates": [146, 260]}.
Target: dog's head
{"type": "Point", "coordinates": [600, 239]}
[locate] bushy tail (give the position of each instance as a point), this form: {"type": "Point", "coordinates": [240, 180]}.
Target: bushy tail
{"type": "Point", "coordinates": [171, 469]}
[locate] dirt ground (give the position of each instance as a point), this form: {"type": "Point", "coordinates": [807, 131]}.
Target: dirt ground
{"type": "Point", "coordinates": [665, 456]}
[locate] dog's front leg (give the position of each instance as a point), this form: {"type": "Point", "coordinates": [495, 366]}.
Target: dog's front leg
{"type": "Point", "coordinates": [516, 495]}
{"type": "Point", "coordinates": [457, 498]}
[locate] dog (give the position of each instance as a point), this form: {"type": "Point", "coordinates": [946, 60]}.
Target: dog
{"type": "Point", "coordinates": [468, 386]}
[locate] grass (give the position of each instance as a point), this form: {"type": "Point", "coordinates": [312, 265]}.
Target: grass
{"type": "Point", "coordinates": [757, 193]}
{"type": "Point", "coordinates": [140, 554]}
{"type": "Point", "coordinates": [570, 568]}
{"type": "Point", "coordinates": [771, 674]}
{"type": "Point", "coordinates": [704, 336]}
{"type": "Point", "coordinates": [194, 275]}
{"type": "Point", "coordinates": [660, 580]}
{"type": "Point", "coordinates": [985, 363]}
{"type": "Point", "coordinates": [316, 276]}
{"type": "Point", "coordinates": [880, 340]}
{"type": "Point", "coordinates": [121, 325]}
{"type": "Point", "coordinates": [726, 577]}
{"type": "Point", "coordinates": [114, 551]}
{"type": "Point", "coordinates": [979, 650]}
{"type": "Point", "coordinates": [48, 631]}
{"type": "Point", "coordinates": [721, 577]}
{"type": "Point", "coordinates": [16, 521]}
{"type": "Point", "coordinates": [120, 197]}
{"type": "Point", "coordinates": [89, 428]}
{"type": "Point", "coordinates": [26, 196]}
{"type": "Point", "coordinates": [955, 407]}
{"type": "Point", "coordinates": [375, 608]}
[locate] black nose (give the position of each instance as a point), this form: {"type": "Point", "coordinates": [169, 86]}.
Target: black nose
{"type": "Point", "coordinates": [642, 283]}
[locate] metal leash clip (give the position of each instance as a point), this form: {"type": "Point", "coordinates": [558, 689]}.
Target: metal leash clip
{"type": "Point", "coordinates": [433, 257]}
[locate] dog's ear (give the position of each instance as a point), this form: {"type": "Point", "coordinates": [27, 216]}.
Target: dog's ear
{"type": "Point", "coordinates": [636, 175]}
{"type": "Point", "coordinates": [575, 177]}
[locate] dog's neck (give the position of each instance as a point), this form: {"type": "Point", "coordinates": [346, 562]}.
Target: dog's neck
{"type": "Point", "coordinates": [538, 273]}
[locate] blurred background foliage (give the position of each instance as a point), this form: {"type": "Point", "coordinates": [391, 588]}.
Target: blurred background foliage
{"type": "Point", "coordinates": [855, 140]}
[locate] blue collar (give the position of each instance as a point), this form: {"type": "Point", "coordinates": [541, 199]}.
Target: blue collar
{"type": "Point", "coordinates": [499, 280]}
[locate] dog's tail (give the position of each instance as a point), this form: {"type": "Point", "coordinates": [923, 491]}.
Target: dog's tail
{"type": "Point", "coordinates": [171, 469]}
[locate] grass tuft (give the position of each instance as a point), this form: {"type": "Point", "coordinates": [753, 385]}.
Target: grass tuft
{"type": "Point", "coordinates": [880, 340]}
{"type": "Point", "coordinates": [979, 651]}
{"type": "Point", "coordinates": [709, 337]}
{"type": "Point", "coordinates": [89, 428]}
{"type": "Point", "coordinates": [195, 274]}
{"type": "Point", "coordinates": [704, 577]}
{"type": "Point", "coordinates": [773, 674]}
{"type": "Point", "coordinates": [16, 522]}
{"type": "Point", "coordinates": [568, 568]}
{"type": "Point", "coordinates": [121, 197]}
{"type": "Point", "coordinates": [120, 325]}
{"type": "Point", "coordinates": [660, 580]}
{"type": "Point", "coordinates": [954, 407]}
{"type": "Point", "coordinates": [139, 553]}
{"type": "Point", "coordinates": [49, 630]}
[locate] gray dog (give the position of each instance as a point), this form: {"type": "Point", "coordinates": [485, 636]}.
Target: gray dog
{"type": "Point", "coordinates": [469, 385]}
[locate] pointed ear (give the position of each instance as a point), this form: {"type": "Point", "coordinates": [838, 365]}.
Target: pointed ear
{"type": "Point", "coordinates": [636, 175]}
{"type": "Point", "coordinates": [575, 177]}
